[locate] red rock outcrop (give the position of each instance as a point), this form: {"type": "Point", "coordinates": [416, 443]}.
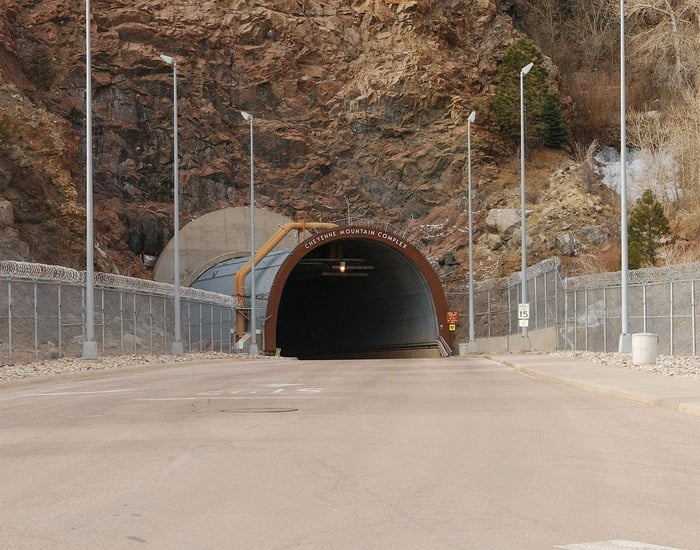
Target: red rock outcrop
{"type": "Point", "coordinates": [355, 101]}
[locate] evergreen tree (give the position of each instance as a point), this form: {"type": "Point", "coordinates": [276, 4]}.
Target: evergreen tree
{"type": "Point", "coordinates": [544, 122]}
{"type": "Point", "coordinates": [646, 226]}
{"type": "Point", "coordinates": [555, 131]}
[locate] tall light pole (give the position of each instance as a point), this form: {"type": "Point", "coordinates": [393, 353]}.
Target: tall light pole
{"type": "Point", "coordinates": [253, 350]}
{"type": "Point", "coordinates": [625, 342]}
{"type": "Point", "coordinates": [89, 344]}
{"type": "Point", "coordinates": [471, 345]}
{"type": "Point", "coordinates": [525, 341]}
{"type": "Point", "coordinates": [177, 338]}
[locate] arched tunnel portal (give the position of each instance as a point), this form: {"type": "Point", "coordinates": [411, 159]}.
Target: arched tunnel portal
{"type": "Point", "coordinates": [355, 292]}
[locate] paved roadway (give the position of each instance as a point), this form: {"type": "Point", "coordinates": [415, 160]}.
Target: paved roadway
{"type": "Point", "coordinates": [395, 454]}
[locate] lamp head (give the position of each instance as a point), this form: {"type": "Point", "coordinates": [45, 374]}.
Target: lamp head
{"type": "Point", "coordinates": [526, 69]}
{"type": "Point", "coordinates": [169, 60]}
{"type": "Point", "coordinates": [472, 116]}
{"type": "Point", "coordinates": [247, 116]}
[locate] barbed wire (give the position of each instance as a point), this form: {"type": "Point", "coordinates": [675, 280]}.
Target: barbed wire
{"type": "Point", "coordinates": [57, 273]}
{"type": "Point", "coordinates": [545, 266]}
{"type": "Point", "coordinates": [644, 276]}
{"type": "Point", "coordinates": [24, 270]}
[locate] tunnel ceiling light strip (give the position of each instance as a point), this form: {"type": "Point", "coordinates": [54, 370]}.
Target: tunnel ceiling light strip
{"type": "Point", "coordinates": [345, 268]}
{"type": "Point", "coordinates": [344, 274]}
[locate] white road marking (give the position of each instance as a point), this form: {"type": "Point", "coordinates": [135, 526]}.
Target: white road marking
{"type": "Point", "coordinates": [225, 398]}
{"type": "Point", "coordinates": [310, 390]}
{"type": "Point", "coordinates": [75, 393]}
{"type": "Point", "coordinates": [615, 545]}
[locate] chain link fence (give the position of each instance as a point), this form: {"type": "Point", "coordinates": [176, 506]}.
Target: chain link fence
{"type": "Point", "coordinates": [586, 310]}
{"type": "Point", "coordinates": [42, 315]}
{"type": "Point", "coordinates": [496, 302]}
{"type": "Point", "coordinates": [42, 311]}
{"type": "Point", "coordinates": [661, 301]}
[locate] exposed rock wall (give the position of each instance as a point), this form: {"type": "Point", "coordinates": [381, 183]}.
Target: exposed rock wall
{"type": "Point", "coordinates": [355, 101]}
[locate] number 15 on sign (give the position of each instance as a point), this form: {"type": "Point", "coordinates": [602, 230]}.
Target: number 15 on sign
{"type": "Point", "coordinates": [523, 315]}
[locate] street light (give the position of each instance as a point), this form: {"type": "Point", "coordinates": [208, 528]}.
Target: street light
{"type": "Point", "coordinates": [253, 350]}
{"type": "Point", "coordinates": [625, 342]}
{"type": "Point", "coordinates": [89, 344]}
{"type": "Point", "coordinates": [177, 339]}
{"type": "Point", "coordinates": [525, 341]}
{"type": "Point", "coordinates": [471, 346]}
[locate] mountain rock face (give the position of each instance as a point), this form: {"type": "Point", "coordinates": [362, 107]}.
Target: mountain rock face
{"type": "Point", "coordinates": [359, 108]}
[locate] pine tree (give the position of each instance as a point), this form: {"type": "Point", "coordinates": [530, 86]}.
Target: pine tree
{"type": "Point", "coordinates": [544, 121]}
{"type": "Point", "coordinates": [555, 131]}
{"type": "Point", "coordinates": [647, 225]}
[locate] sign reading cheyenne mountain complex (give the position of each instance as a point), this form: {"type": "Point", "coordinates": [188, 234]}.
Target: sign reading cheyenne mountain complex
{"type": "Point", "coordinates": [355, 232]}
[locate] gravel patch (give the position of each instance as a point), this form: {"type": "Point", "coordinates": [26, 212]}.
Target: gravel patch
{"type": "Point", "coordinates": [667, 365]}
{"type": "Point", "coordinates": [53, 367]}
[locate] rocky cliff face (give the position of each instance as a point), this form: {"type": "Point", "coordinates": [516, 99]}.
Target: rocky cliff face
{"type": "Point", "coordinates": [359, 106]}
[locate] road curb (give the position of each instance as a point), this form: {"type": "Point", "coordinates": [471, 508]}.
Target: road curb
{"type": "Point", "coordinates": [682, 405]}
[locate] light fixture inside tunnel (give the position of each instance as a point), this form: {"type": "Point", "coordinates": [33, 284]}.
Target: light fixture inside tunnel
{"type": "Point", "coordinates": [348, 269]}
{"type": "Point", "coordinates": [335, 267]}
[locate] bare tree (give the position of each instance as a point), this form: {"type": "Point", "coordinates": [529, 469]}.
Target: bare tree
{"type": "Point", "coordinates": [576, 35]}
{"type": "Point", "coordinates": [543, 21]}
{"type": "Point", "coordinates": [672, 138]}
{"type": "Point", "coordinates": [685, 140]}
{"type": "Point", "coordinates": [665, 39]}
{"type": "Point", "coordinates": [594, 28]}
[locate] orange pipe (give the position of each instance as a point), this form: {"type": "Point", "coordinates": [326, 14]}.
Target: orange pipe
{"type": "Point", "coordinates": [272, 242]}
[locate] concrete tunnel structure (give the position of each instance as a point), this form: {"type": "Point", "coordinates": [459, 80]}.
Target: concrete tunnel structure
{"type": "Point", "coordinates": [348, 291]}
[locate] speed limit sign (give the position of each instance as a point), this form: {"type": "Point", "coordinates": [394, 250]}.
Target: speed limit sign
{"type": "Point", "coordinates": [523, 315]}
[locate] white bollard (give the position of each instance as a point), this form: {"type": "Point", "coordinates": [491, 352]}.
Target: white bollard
{"type": "Point", "coordinates": [644, 348]}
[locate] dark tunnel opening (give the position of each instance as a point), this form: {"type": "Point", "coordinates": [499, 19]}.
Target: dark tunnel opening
{"type": "Point", "coordinates": [355, 298]}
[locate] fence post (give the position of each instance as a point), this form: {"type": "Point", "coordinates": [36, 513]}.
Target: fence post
{"type": "Point", "coordinates": [544, 297]}
{"type": "Point", "coordinates": [150, 323]}
{"type": "Point", "coordinates": [189, 326]}
{"type": "Point", "coordinates": [588, 320]}
{"type": "Point", "coordinates": [534, 293]}
{"type": "Point", "coordinates": [692, 311]}
{"type": "Point", "coordinates": [488, 312]}
{"type": "Point", "coordinates": [200, 326]}
{"type": "Point", "coordinates": [509, 319]}
{"type": "Point", "coordinates": [36, 324]}
{"type": "Point", "coordinates": [121, 322]}
{"type": "Point", "coordinates": [644, 306]}
{"type": "Point", "coordinates": [211, 326]}
{"type": "Point", "coordinates": [575, 319]}
{"type": "Point", "coordinates": [671, 338]}
{"type": "Point", "coordinates": [566, 317]}
{"type": "Point", "coordinates": [165, 325]}
{"type": "Point", "coordinates": [221, 329]}
{"type": "Point", "coordinates": [9, 321]}
{"type": "Point", "coordinates": [60, 320]}
{"type": "Point", "coordinates": [102, 316]}
{"type": "Point", "coordinates": [134, 315]}
{"type": "Point", "coordinates": [605, 319]}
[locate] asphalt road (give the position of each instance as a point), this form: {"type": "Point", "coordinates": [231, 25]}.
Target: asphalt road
{"type": "Point", "coordinates": [393, 454]}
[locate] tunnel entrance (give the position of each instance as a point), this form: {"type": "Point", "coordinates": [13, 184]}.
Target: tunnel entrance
{"type": "Point", "coordinates": [356, 292]}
